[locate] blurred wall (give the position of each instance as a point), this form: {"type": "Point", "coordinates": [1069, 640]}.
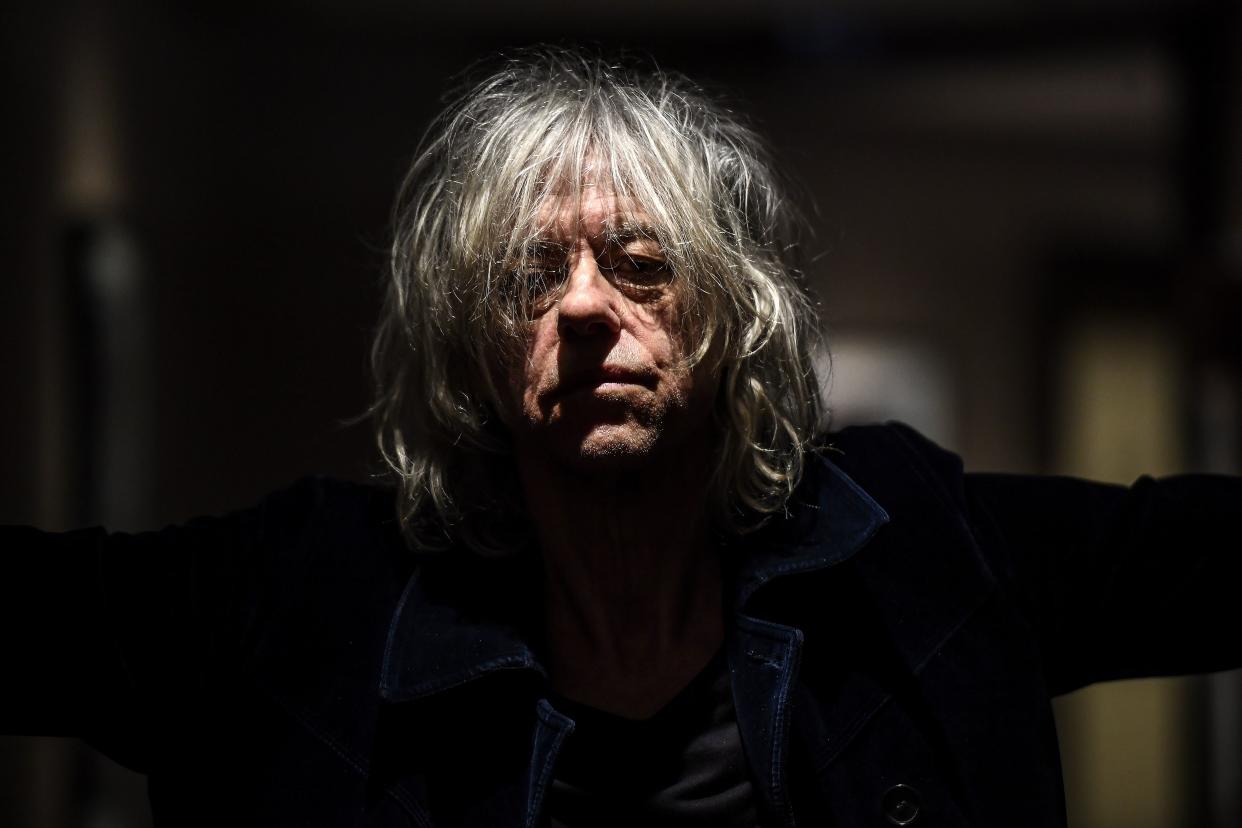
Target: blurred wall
{"type": "Point", "coordinates": [195, 218]}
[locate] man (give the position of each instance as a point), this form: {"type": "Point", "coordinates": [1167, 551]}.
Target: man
{"type": "Point", "coordinates": [625, 581]}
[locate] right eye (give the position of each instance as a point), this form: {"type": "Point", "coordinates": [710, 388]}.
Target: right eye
{"type": "Point", "coordinates": [536, 283]}
{"type": "Point", "coordinates": [539, 277]}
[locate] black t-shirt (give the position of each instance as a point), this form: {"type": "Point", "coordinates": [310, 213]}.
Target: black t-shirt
{"type": "Point", "coordinates": [682, 767]}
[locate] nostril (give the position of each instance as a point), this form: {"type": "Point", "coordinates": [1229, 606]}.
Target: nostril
{"type": "Point", "coordinates": [584, 327]}
{"type": "Point", "coordinates": [587, 313]}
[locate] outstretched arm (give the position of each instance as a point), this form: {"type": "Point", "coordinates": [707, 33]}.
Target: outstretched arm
{"type": "Point", "coordinates": [102, 636]}
{"type": "Point", "coordinates": [1119, 582]}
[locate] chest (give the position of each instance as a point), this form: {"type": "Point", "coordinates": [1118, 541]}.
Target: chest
{"type": "Point", "coordinates": [965, 739]}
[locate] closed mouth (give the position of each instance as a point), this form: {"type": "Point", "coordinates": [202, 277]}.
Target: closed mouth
{"type": "Point", "coordinates": [605, 376]}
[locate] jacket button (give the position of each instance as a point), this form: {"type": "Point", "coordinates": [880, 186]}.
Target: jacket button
{"type": "Point", "coordinates": [901, 804]}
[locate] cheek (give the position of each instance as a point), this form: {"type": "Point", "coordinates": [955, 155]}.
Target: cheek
{"type": "Point", "coordinates": [655, 319]}
{"type": "Point", "coordinates": [538, 357]}
{"type": "Point", "coordinates": [658, 330]}
{"type": "Point", "coordinates": [511, 374]}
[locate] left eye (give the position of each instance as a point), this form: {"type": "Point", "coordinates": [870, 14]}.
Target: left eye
{"type": "Point", "coordinates": [638, 271]}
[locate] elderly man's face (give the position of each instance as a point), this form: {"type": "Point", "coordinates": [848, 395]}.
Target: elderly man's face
{"type": "Point", "coordinates": [604, 385]}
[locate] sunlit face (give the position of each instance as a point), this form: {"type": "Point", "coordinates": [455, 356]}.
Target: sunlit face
{"type": "Point", "coordinates": [604, 384]}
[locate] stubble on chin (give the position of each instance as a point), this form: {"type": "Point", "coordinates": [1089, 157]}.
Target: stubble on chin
{"type": "Point", "coordinates": [625, 439]}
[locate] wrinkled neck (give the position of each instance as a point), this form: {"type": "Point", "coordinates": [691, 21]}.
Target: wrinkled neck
{"type": "Point", "coordinates": [632, 583]}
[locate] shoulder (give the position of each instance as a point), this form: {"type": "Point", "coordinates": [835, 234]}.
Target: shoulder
{"type": "Point", "coordinates": [329, 499]}
{"type": "Point", "coordinates": [331, 502]}
{"type": "Point", "coordinates": [892, 459]}
{"type": "Point", "coordinates": [326, 523]}
{"type": "Point", "coordinates": [922, 490]}
{"type": "Point", "coordinates": [324, 570]}
{"type": "Point", "coordinates": [315, 545]}
{"type": "Point", "coordinates": [315, 513]}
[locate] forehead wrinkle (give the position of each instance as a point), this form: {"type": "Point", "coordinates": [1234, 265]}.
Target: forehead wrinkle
{"type": "Point", "coordinates": [619, 225]}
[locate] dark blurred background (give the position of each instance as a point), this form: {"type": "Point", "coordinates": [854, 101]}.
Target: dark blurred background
{"type": "Point", "coordinates": [1029, 245]}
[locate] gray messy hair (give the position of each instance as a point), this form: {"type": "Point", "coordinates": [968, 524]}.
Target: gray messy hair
{"type": "Point", "coordinates": [473, 206]}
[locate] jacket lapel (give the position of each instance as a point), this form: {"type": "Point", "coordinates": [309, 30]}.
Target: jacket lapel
{"type": "Point", "coordinates": [883, 615]}
{"type": "Point", "coordinates": [458, 621]}
{"type": "Point", "coordinates": [829, 521]}
{"type": "Point", "coordinates": [462, 681]}
{"type": "Point", "coordinates": [763, 663]}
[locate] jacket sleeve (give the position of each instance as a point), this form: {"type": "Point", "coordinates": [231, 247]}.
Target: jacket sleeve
{"type": "Point", "coordinates": [1118, 582]}
{"type": "Point", "coordinates": [101, 635]}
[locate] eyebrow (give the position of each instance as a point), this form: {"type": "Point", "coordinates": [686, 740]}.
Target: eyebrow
{"type": "Point", "coordinates": [619, 233]}
{"type": "Point", "coordinates": [544, 244]}
{"type": "Point", "coordinates": [628, 231]}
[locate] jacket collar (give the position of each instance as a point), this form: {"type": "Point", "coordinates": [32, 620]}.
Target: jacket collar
{"type": "Point", "coordinates": [461, 618]}
{"type": "Point", "coordinates": [828, 519]}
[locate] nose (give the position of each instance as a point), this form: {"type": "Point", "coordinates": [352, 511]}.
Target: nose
{"type": "Point", "coordinates": [590, 305]}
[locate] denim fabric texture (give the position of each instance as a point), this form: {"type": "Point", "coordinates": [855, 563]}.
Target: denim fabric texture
{"type": "Point", "coordinates": [894, 643]}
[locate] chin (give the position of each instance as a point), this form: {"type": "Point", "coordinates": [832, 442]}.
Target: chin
{"type": "Point", "coordinates": [609, 449]}
{"type": "Point", "coordinates": [617, 449]}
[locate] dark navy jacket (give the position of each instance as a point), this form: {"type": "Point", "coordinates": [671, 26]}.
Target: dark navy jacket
{"type": "Point", "coordinates": [893, 647]}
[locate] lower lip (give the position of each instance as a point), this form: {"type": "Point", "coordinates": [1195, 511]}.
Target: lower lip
{"type": "Point", "coordinates": [606, 388]}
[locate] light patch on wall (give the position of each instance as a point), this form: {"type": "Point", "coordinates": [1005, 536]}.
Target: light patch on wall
{"type": "Point", "coordinates": [1123, 743]}
{"type": "Point", "coordinates": [870, 378]}
{"type": "Point", "coordinates": [1119, 388]}
{"type": "Point", "coordinates": [92, 173]}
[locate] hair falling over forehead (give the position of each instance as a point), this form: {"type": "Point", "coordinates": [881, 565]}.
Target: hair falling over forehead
{"type": "Point", "coordinates": [517, 152]}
